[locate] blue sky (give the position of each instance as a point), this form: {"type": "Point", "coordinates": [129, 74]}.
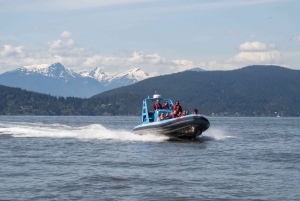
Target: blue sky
{"type": "Point", "coordinates": [157, 36]}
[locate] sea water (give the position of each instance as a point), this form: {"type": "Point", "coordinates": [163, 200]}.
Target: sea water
{"type": "Point", "coordinates": [99, 158]}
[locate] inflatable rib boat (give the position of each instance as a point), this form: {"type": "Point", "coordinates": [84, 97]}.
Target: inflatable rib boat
{"type": "Point", "coordinates": [184, 127]}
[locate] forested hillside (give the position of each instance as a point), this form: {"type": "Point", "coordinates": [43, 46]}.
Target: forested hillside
{"type": "Point", "coordinates": [250, 91]}
{"type": "Point", "coordinates": [15, 101]}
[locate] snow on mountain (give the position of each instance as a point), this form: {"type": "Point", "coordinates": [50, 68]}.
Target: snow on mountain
{"type": "Point", "coordinates": [97, 74]}
{"type": "Point", "coordinates": [126, 78]}
{"type": "Point", "coordinates": [56, 70]}
{"type": "Point", "coordinates": [42, 68]}
{"type": "Point", "coordinates": [134, 75]}
{"type": "Point", "coordinates": [120, 79]}
{"type": "Point", "coordinates": [60, 81]}
{"type": "Point", "coordinates": [84, 73]}
{"type": "Point", "coordinates": [54, 79]}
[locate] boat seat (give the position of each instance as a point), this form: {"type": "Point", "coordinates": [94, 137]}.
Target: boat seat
{"type": "Point", "coordinates": [151, 116]}
{"type": "Point", "coordinates": [150, 113]}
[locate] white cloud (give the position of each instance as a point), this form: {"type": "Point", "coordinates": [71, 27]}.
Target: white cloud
{"type": "Point", "coordinates": [59, 44]}
{"type": "Point", "coordinates": [270, 57]}
{"type": "Point", "coordinates": [250, 54]}
{"type": "Point", "coordinates": [140, 58]}
{"type": "Point", "coordinates": [9, 50]}
{"type": "Point", "coordinates": [137, 58]}
{"type": "Point", "coordinates": [80, 59]}
{"type": "Point", "coordinates": [66, 34]}
{"type": "Point", "coordinates": [256, 53]}
{"type": "Point", "coordinates": [65, 52]}
{"type": "Point", "coordinates": [156, 59]}
{"type": "Point", "coordinates": [99, 60]}
{"type": "Point", "coordinates": [253, 46]}
{"type": "Point", "coordinates": [72, 56]}
{"type": "Point", "coordinates": [183, 64]}
{"type": "Point", "coordinates": [296, 38]}
{"type": "Point", "coordinates": [65, 48]}
{"type": "Point", "coordinates": [216, 65]}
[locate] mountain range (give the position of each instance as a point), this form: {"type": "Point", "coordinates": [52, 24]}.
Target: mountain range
{"type": "Point", "coordinates": [57, 80]}
{"type": "Point", "coordinates": [249, 91]}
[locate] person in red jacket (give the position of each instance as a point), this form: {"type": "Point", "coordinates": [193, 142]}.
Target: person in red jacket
{"type": "Point", "coordinates": [177, 107]}
{"type": "Point", "coordinates": [166, 105]}
{"type": "Point", "coordinates": [160, 117]}
{"type": "Point", "coordinates": [196, 112]}
{"type": "Point", "coordinates": [173, 114]}
{"type": "Point", "coordinates": [157, 105]}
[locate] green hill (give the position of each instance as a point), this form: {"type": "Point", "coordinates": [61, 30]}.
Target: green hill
{"type": "Point", "coordinates": [15, 101]}
{"type": "Point", "coordinates": [250, 91]}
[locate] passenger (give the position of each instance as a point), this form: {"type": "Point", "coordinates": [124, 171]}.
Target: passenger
{"type": "Point", "coordinates": [167, 115]}
{"type": "Point", "coordinates": [196, 112]}
{"type": "Point", "coordinates": [166, 105]}
{"type": "Point", "coordinates": [187, 112]}
{"type": "Point", "coordinates": [157, 105]}
{"type": "Point", "coordinates": [174, 114]}
{"type": "Point", "coordinates": [180, 114]}
{"type": "Point", "coordinates": [161, 117]}
{"type": "Point", "coordinates": [177, 107]}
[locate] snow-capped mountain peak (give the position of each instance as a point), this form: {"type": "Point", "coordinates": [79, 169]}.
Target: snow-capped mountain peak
{"type": "Point", "coordinates": [132, 74]}
{"type": "Point", "coordinates": [99, 75]}
{"type": "Point", "coordinates": [129, 77]}
{"type": "Point", "coordinates": [42, 68]}
{"type": "Point", "coordinates": [126, 78]}
{"type": "Point", "coordinates": [59, 71]}
{"type": "Point", "coordinates": [36, 67]}
{"type": "Point", "coordinates": [56, 70]}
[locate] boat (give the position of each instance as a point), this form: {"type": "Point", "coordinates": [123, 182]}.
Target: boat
{"type": "Point", "coordinates": [184, 127]}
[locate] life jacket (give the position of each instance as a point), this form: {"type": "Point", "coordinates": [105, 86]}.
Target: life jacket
{"type": "Point", "coordinates": [157, 106]}
{"type": "Point", "coordinates": [173, 115]}
{"type": "Point", "coordinates": [160, 118]}
{"type": "Point", "coordinates": [177, 108]}
{"type": "Point", "coordinates": [166, 106]}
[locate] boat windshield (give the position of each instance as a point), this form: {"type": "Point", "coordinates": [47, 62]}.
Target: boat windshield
{"type": "Point", "coordinates": [149, 114]}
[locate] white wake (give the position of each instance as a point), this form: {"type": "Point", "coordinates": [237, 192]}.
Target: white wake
{"type": "Point", "coordinates": [215, 134]}
{"type": "Point", "coordinates": [90, 132]}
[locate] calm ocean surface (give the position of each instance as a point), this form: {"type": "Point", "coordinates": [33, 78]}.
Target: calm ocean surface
{"type": "Point", "coordinates": [99, 158]}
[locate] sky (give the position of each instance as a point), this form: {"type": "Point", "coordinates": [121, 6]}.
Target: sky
{"type": "Point", "coordinates": [157, 36]}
